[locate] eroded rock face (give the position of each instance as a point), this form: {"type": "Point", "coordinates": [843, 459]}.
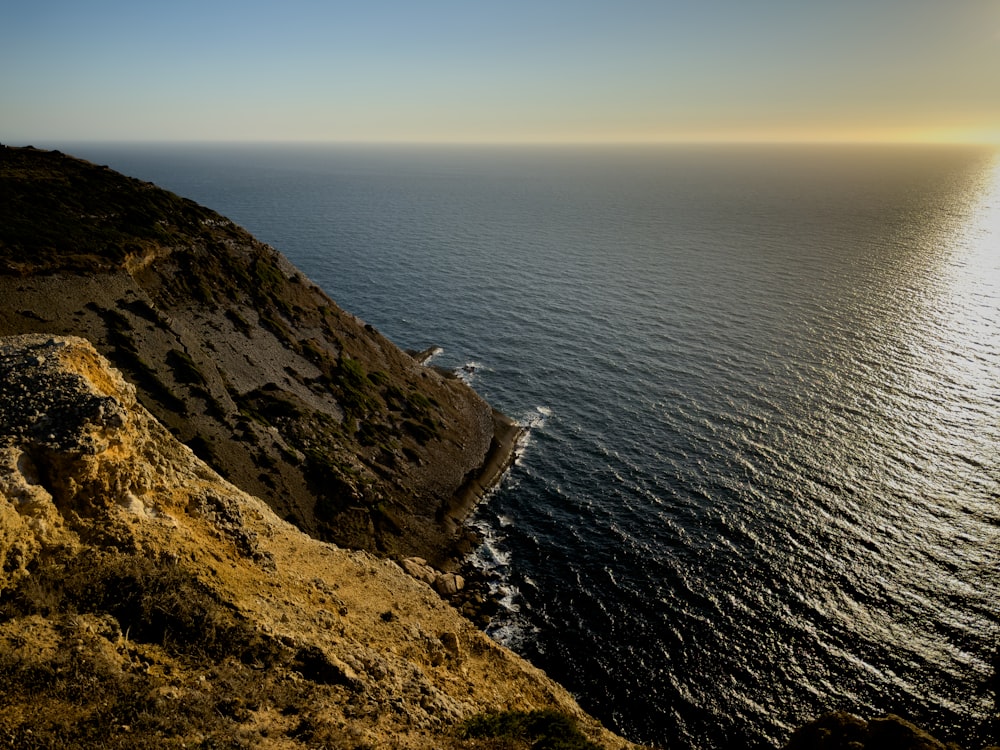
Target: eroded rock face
{"type": "Point", "coordinates": [131, 567]}
{"type": "Point", "coordinates": [62, 430]}
{"type": "Point", "coordinates": [68, 445]}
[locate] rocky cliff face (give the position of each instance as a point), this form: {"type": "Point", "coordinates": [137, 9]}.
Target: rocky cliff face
{"type": "Point", "coordinates": [244, 359]}
{"type": "Point", "coordinates": [147, 602]}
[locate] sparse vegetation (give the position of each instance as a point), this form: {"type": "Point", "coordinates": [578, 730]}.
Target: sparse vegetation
{"type": "Point", "coordinates": [66, 214]}
{"type": "Point", "coordinates": [379, 378]}
{"type": "Point", "coordinates": [374, 433]}
{"type": "Point", "coordinates": [354, 388]}
{"type": "Point", "coordinates": [79, 697]}
{"type": "Point", "coordinates": [538, 730]}
{"type": "Point", "coordinates": [370, 416]}
{"type": "Point", "coordinates": [166, 616]}
{"type": "Point", "coordinates": [84, 696]}
{"type": "Point", "coordinates": [154, 600]}
{"type": "Point", "coordinates": [421, 431]}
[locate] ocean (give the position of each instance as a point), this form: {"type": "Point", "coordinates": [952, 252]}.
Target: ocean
{"type": "Point", "coordinates": [762, 478]}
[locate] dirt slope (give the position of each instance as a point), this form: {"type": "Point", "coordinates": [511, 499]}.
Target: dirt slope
{"type": "Point", "coordinates": [142, 592]}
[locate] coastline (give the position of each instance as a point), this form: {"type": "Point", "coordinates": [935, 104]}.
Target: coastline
{"type": "Point", "coordinates": [499, 458]}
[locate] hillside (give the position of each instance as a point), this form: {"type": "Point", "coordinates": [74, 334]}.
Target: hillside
{"type": "Point", "coordinates": [245, 360]}
{"type": "Point", "coordinates": [147, 602]}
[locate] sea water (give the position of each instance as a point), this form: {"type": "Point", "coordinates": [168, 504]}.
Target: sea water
{"type": "Point", "coordinates": [762, 479]}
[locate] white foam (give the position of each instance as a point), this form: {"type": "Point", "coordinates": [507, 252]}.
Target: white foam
{"type": "Point", "coordinates": [489, 556]}
{"type": "Point", "coordinates": [533, 420]}
{"type": "Point", "coordinates": [510, 626]}
{"type": "Point", "coordinates": [435, 352]}
{"type": "Point", "coordinates": [536, 419]}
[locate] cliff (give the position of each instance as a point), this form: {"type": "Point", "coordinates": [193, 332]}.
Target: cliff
{"type": "Point", "coordinates": [147, 602]}
{"type": "Point", "coordinates": [245, 360]}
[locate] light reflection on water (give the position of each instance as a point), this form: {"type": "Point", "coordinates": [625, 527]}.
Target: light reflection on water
{"type": "Point", "coordinates": [962, 352]}
{"type": "Point", "coordinates": [846, 560]}
{"type": "Point", "coordinates": [933, 532]}
{"type": "Point", "coordinates": [972, 305]}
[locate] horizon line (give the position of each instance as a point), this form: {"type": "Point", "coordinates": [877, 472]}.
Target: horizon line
{"type": "Point", "coordinates": [523, 142]}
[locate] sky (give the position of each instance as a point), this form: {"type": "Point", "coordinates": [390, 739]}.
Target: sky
{"type": "Point", "coordinates": [512, 71]}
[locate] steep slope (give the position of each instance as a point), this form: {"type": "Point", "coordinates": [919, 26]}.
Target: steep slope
{"type": "Point", "coordinates": [145, 597]}
{"type": "Point", "coordinates": [244, 359]}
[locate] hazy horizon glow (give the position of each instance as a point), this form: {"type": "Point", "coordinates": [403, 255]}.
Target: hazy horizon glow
{"type": "Point", "coordinates": [444, 71]}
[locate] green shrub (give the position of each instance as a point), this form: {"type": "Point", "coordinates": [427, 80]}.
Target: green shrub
{"type": "Point", "coordinates": [378, 377]}
{"type": "Point", "coordinates": [375, 434]}
{"type": "Point", "coordinates": [421, 431]}
{"type": "Point", "coordinates": [418, 402]}
{"type": "Point", "coordinates": [546, 729]}
{"type": "Point", "coordinates": [154, 601]}
{"type": "Point", "coordinates": [355, 389]}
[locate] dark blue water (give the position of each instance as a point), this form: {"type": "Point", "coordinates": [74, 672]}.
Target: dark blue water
{"type": "Point", "coordinates": [762, 480]}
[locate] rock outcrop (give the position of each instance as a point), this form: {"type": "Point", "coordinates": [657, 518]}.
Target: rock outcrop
{"type": "Point", "coordinates": [245, 360]}
{"type": "Point", "coordinates": [146, 597]}
{"type": "Point", "coordinates": [844, 731]}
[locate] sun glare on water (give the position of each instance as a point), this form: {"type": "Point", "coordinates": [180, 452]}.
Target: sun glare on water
{"type": "Point", "coordinates": [968, 358]}
{"type": "Point", "coordinates": [975, 269]}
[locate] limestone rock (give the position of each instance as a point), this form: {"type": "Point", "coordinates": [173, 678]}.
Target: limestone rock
{"type": "Point", "coordinates": [449, 584]}
{"type": "Point", "coordinates": [419, 569]}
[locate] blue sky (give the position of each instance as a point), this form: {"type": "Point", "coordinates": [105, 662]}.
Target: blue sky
{"type": "Point", "coordinates": [386, 70]}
